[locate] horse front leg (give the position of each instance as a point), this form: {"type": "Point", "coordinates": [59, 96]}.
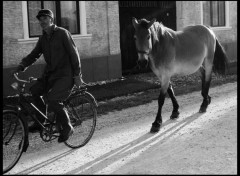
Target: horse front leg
{"type": "Point", "coordinates": [175, 112]}
{"type": "Point", "coordinates": [158, 121]}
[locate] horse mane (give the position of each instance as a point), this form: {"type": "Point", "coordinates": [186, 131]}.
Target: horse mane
{"type": "Point", "coordinates": [144, 23]}
{"type": "Point", "coordinates": [160, 32]}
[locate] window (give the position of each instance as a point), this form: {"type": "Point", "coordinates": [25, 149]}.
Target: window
{"type": "Point", "coordinates": [69, 16]}
{"type": "Point", "coordinates": [214, 13]}
{"type": "Point", "coordinates": [66, 15]}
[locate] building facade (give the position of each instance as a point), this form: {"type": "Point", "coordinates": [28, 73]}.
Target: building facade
{"type": "Point", "coordinates": [202, 12]}
{"type": "Point", "coordinates": [97, 40]}
{"type": "Point", "coordinates": [97, 29]}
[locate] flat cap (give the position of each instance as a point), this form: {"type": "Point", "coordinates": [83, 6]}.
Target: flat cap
{"type": "Point", "coordinates": [44, 12]}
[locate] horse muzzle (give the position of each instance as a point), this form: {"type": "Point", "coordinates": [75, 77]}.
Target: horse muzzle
{"type": "Point", "coordinates": [142, 62]}
{"type": "Point", "coordinates": [142, 59]}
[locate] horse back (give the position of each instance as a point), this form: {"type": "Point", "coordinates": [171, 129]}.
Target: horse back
{"type": "Point", "coordinates": [194, 41]}
{"type": "Point", "coordinates": [183, 52]}
{"type": "Point", "coordinates": [192, 45]}
{"type": "Point", "coordinates": [196, 35]}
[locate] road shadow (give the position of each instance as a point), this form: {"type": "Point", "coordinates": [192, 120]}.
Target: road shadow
{"type": "Point", "coordinates": [121, 152]}
{"type": "Point", "coordinates": [45, 163]}
{"type": "Point", "coordinates": [134, 146]}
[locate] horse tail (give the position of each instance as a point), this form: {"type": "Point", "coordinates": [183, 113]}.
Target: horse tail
{"type": "Point", "coordinates": [220, 61]}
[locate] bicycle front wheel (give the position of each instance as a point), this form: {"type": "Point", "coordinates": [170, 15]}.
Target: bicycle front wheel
{"type": "Point", "coordinates": [13, 139]}
{"type": "Point", "coordinates": [83, 115]}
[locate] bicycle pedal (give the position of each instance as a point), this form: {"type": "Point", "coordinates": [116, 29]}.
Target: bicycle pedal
{"type": "Point", "coordinates": [55, 131]}
{"type": "Point", "coordinates": [46, 124]}
{"type": "Point", "coordinates": [56, 134]}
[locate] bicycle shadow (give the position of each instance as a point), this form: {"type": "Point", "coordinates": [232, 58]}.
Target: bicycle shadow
{"type": "Point", "coordinates": [45, 163]}
{"type": "Point", "coordinates": [120, 153]}
{"type": "Point", "coordinates": [134, 146]}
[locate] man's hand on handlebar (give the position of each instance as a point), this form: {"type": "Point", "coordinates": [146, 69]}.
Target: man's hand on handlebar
{"type": "Point", "coordinates": [19, 68]}
{"type": "Point", "coordinates": [30, 79]}
{"type": "Point", "coordinates": [78, 81]}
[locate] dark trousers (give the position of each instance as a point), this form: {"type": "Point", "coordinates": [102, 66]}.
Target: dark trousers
{"type": "Point", "coordinates": [54, 91]}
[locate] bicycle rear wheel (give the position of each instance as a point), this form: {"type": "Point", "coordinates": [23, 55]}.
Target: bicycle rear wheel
{"type": "Point", "coordinates": [83, 115]}
{"type": "Point", "coordinates": [13, 139]}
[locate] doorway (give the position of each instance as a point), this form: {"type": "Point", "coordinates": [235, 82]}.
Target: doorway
{"type": "Point", "coordinates": [163, 11]}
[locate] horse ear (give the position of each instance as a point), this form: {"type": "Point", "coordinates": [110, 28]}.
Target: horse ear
{"type": "Point", "coordinates": [151, 22]}
{"type": "Point", "coordinates": [134, 22]}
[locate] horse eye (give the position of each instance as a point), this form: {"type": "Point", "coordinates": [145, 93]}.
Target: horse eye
{"type": "Point", "coordinates": [148, 37]}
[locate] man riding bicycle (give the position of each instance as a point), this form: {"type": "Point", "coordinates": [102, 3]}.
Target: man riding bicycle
{"type": "Point", "coordinates": [62, 71]}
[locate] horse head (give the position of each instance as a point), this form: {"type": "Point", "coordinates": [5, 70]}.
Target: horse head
{"type": "Point", "coordinates": [143, 40]}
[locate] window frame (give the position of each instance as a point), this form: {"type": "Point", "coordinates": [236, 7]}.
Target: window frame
{"type": "Point", "coordinates": [81, 16]}
{"type": "Point", "coordinates": [58, 13]}
{"type": "Point", "coordinates": [227, 26]}
{"type": "Point", "coordinates": [211, 14]}
{"type": "Point", "coordinates": [58, 17]}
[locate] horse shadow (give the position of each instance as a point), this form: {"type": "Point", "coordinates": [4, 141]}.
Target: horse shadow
{"type": "Point", "coordinates": [121, 152]}
{"type": "Point", "coordinates": [134, 146]}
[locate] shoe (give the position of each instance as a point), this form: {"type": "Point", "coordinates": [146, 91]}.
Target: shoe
{"type": "Point", "coordinates": [65, 135]}
{"type": "Point", "coordinates": [35, 127]}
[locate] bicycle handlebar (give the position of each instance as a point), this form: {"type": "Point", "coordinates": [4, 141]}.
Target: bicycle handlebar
{"type": "Point", "coordinates": [30, 79]}
{"type": "Point", "coordinates": [85, 84]}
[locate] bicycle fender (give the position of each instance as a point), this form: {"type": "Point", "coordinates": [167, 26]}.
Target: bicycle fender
{"type": "Point", "coordinates": [92, 98]}
{"type": "Point", "coordinates": [9, 107]}
{"type": "Point", "coordinates": [26, 143]}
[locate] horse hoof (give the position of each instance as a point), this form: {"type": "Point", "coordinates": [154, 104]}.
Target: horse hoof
{"type": "Point", "coordinates": [155, 127]}
{"type": "Point", "coordinates": [174, 115]}
{"type": "Point", "coordinates": [209, 100]}
{"type": "Point", "coordinates": [204, 105]}
{"type": "Point", "coordinates": [202, 109]}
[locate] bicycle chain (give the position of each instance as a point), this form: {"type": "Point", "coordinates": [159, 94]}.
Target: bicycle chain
{"type": "Point", "coordinates": [48, 134]}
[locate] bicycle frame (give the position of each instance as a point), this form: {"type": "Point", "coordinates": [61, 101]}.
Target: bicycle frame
{"type": "Point", "coordinates": [23, 108]}
{"type": "Point", "coordinates": [22, 101]}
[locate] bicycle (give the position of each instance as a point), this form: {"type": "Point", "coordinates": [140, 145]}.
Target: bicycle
{"type": "Point", "coordinates": [80, 105]}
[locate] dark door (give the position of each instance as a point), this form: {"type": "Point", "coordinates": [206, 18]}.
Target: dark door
{"type": "Point", "coordinates": [163, 11]}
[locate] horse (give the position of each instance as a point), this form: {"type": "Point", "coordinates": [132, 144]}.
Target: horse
{"type": "Point", "coordinates": [169, 52]}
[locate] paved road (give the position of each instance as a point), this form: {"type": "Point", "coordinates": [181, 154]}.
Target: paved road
{"type": "Point", "coordinates": [193, 144]}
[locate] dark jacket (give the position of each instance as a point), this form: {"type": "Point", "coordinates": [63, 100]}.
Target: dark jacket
{"type": "Point", "coordinates": [60, 54]}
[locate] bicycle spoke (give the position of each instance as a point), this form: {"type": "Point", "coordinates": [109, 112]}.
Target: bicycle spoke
{"type": "Point", "coordinates": [82, 109]}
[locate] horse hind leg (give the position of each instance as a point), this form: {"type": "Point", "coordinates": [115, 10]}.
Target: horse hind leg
{"type": "Point", "coordinates": [175, 112]}
{"type": "Point", "coordinates": [206, 80]}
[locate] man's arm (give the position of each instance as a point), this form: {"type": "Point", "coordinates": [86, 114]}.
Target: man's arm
{"type": "Point", "coordinates": [32, 57]}
{"type": "Point", "coordinates": [74, 55]}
